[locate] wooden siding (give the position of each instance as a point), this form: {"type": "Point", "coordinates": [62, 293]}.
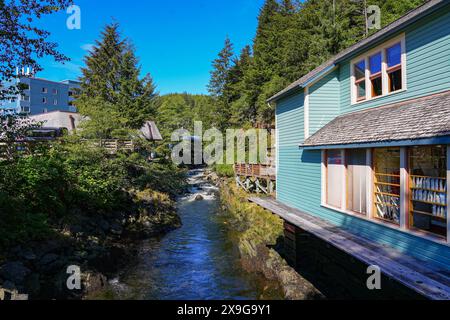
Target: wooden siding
{"type": "Point", "coordinates": [324, 97]}
{"type": "Point", "coordinates": [299, 172]}
{"type": "Point", "coordinates": [427, 63]}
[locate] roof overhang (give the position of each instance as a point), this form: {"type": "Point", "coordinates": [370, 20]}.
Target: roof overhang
{"type": "Point", "coordinates": [382, 144]}
{"type": "Point", "coordinates": [420, 121]}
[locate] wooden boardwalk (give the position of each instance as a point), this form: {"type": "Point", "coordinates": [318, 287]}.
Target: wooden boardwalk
{"type": "Point", "coordinates": [427, 280]}
{"type": "Point", "coordinates": [257, 178]}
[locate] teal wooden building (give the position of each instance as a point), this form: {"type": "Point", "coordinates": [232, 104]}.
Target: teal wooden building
{"type": "Point", "coordinates": [363, 146]}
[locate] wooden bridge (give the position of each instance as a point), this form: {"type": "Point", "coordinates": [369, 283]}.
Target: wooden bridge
{"type": "Point", "coordinates": [257, 178]}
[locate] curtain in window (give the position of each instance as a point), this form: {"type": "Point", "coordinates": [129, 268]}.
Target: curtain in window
{"type": "Point", "coordinates": [335, 176]}
{"type": "Point", "coordinates": [356, 181]}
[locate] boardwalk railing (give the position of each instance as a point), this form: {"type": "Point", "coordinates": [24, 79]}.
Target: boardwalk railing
{"type": "Point", "coordinates": [255, 170]}
{"type": "Point", "coordinates": [256, 177]}
{"type": "Point", "coordinates": [112, 146]}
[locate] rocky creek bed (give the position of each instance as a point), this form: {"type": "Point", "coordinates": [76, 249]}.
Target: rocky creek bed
{"type": "Point", "coordinates": [258, 235]}
{"type": "Point", "coordinates": [100, 245]}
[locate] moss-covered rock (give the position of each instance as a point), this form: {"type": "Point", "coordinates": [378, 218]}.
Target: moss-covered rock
{"type": "Point", "coordinates": [258, 232]}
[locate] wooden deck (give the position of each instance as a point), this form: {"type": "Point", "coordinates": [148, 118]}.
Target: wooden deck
{"type": "Point", "coordinates": [427, 280]}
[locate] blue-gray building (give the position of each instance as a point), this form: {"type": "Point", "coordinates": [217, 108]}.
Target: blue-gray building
{"type": "Point", "coordinates": [42, 96]}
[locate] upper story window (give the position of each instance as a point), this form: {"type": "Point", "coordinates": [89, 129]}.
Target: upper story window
{"type": "Point", "coordinates": [360, 80]}
{"type": "Point", "coordinates": [44, 100]}
{"type": "Point", "coordinates": [44, 90]}
{"type": "Point", "coordinates": [376, 78]}
{"type": "Point", "coordinates": [55, 91]}
{"type": "Point", "coordinates": [380, 72]}
{"type": "Point", "coordinates": [394, 67]}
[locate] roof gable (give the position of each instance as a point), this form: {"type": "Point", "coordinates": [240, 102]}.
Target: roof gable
{"type": "Point", "coordinates": [382, 34]}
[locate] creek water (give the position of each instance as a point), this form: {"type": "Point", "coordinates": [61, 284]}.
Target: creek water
{"type": "Point", "coordinates": [199, 261]}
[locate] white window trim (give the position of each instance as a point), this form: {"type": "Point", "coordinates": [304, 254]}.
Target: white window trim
{"type": "Point", "coordinates": [382, 48]}
{"type": "Point", "coordinates": [404, 194]}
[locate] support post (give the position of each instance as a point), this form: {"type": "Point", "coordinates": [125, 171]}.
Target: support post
{"type": "Point", "coordinates": [344, 180]}
{"type": "Point", "coordinates": [404, 188]}
{"type": "Point", "coordinates": [324, 177]}
{"type": "Point", "coordinates": [369, 179]}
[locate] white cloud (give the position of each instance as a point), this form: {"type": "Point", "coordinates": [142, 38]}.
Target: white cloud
{"type": "Point", "coordinates": [69, 66]}
{"type": "Point", "coordinates": [87, 47]}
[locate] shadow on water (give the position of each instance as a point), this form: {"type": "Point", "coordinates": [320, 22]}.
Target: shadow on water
{"type": "Point", "coordinates": [197, 261]}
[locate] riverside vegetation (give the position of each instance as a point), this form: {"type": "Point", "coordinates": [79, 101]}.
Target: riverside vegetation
{"type": "Point", "coordinates": [258, 235]}
{"type": "Point", "coordinates": [69, 202]}
{"type": "Point", "coordinates": [75, 205]}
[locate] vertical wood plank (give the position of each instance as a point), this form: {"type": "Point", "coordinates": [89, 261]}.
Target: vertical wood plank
{"type": "Point", "coordinates": [404, 192]}
{"type": "Point", "coordinates": [369, 183]}
{"type": "Point", "coordinates": [344, 180]}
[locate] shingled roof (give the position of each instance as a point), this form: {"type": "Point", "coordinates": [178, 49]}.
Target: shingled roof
{"type": "Point", "coordinates": [407, 19]}
{"type": "Point", "coordinates": [426, 117]}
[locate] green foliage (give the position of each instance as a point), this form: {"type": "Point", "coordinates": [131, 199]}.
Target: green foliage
{"type": "Point", "coordinates": [224, 170]}
{"type": "Point", "coordinates": [38, 191]}
{"type": "Point", "coordinates": [179, 111]}
{"type": "Point", "coordinates": [292, 38]}
{"type": "Point", "coordinates": [113, 96]}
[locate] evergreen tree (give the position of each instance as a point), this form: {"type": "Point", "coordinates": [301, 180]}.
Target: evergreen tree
{"type": "Point", "coordinates": [219, 85]}
{"type": "Point", "coordinates": [112, 74]}
{"type": "Point", "coordinates": [292, 38]}
{"type": "Point", "coordinates": [221, 67]}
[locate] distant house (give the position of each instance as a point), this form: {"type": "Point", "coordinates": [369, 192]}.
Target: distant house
{"type": "Point", "coordinates": [59, 119]}
{"type": "Point", "coordinates": [151, 132]}
{"type": "Point", "coordinates": [71, 121]}
{"type": "Point", "coordinates": [363, 149]}
{"type": "Point", "coordinates": [42, 96]}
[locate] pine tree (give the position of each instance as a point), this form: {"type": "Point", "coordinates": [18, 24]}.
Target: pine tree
{"type": "Point", "coordinates": [218, 86]}
{"type": "Point", "coordinates": [102, 74]}
{"type": "Point", "coordinates": [221, 67]}
{"type": "Point", "coordinates": [112, 74]}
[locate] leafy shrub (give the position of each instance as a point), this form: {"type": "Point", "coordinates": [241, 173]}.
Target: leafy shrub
{"type": "Point", "coordinates": [224, 170]}
{"type": "Point", "coordinates": [36, 192]}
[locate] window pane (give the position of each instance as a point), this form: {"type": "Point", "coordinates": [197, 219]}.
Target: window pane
{"type": "Point", "coordinates": [356, 181]}
{"type": "Point", "coordinates": [335, 176]}
{"type": "Point", "coordinates": [361, 90]}
{"type": "Point", "coordinates": [394, 55]}
{"type": "Point", "coordinates": [428, 189]}
{"type": "Point", "coordinates": [395, 80]}
{"type": "Point", "coordinates": [375, 63]}
{"type": "Point", "coordinates": [360, 70]}
{"type": "Point", "coordinates": [377, 87]}
{"type": "Point", "coordinates": [387, 184]}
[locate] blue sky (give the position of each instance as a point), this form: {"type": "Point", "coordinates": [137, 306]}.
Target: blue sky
{"type": "Point", "coordinates": [175, 40]}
